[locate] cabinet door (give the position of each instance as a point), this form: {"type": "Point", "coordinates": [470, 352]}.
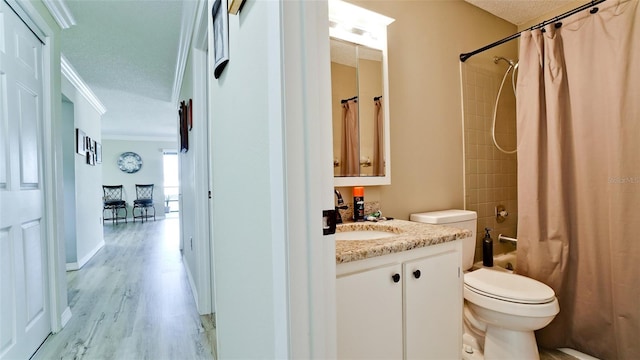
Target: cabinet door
{"type": "Point", "coordinates": [433, 307]}
{"type": "Point", "coordinates": [369, 306]}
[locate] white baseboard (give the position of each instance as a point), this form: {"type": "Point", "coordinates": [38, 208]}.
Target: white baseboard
{"type": "Point", "coordinates": [65, 317]}
{"type": "Point", "coordinates": [194, 289]}
{"type": "Point", "coordinates": [85, 259]}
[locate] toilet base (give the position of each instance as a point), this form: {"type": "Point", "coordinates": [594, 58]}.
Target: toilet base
{"type": "Point", "coordinates": [500, 343]}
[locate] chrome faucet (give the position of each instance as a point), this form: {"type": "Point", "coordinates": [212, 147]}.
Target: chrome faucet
{"type": "Point", "coordinates": [340, 206]}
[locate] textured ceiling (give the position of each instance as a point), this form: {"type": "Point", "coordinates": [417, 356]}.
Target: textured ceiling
{"type": "Point", "coordinates": [126, 51]}
{"type": "Point", "coordinates": [519, 12]}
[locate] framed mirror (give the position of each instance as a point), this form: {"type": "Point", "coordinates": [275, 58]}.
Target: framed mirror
{"type": "Point", "coordinates": [359, 87]}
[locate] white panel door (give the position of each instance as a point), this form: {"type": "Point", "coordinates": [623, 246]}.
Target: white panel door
{"type": "Point", "coordinates": [433, 307]}
{"type": "Point", "coordinates": [24, 312]}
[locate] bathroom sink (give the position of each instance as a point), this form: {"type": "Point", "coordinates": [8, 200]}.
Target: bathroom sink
{"type": "Point", "coordinates": [363, 235]}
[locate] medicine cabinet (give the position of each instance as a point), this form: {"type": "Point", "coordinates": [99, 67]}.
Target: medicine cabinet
{"type": "Point", "coordinates": [360, 92]}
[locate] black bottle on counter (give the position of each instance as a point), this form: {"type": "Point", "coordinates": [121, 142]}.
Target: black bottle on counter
{"type": "Point", "coordinates": [487, 249]}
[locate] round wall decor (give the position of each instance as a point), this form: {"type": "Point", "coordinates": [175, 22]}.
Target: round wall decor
{"type": "Point", "coordinates": [129, 162]}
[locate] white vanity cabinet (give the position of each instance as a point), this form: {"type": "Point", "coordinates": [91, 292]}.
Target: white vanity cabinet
{"type": "Point", "coordinates": [369, 305]}
{"type": "Point", "coordinates": [417, 317]}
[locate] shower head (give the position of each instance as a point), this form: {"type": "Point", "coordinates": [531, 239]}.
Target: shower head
{"type": "Point", "coordinates": [498, 58]}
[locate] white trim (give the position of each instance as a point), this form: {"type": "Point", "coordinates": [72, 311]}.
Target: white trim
{"type": "Point", "coordinates": [192, 284]}
{"type": "Point", "coordinates": [138, 137]}
{"type": "Point", "coordinates": [78, 265]}
{"type": "Point", "coordinates": [200, 35]}
{"type": "Point", "coordinates": [66, 316]}
{"type": "Point", "coordinates": [309, 179]}
{"type": "Point", "coordinates": [70, 73]}
{"type": "Point", "coordinates": [25, 12]}
{"type": "Point", "coordinates": [60, 12]}
{"type": "Point", "coordinates": [203, 263]}
{"type": "Point", "coordinates": [189, 9]}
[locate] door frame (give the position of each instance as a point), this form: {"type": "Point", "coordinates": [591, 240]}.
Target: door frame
{"type": "Point", "coordinates": [308, 160]}
{"type": "Point", "coordinates": [204, 256]}
{"type": "Point", "coordinates": [52, 175]}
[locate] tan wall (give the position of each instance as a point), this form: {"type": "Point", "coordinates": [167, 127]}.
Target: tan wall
{"type": "Point", "coordinates": [425, 99]}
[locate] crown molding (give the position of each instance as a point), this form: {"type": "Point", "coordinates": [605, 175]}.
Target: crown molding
{"type": "Point", "coordinates": [74, 78]}
{"type": "Point", "coordinates": [189, 9]}
{"type": "Point", "coordinates": [60, 12]}
{"type": "Point", "coordinates": [123, 137]}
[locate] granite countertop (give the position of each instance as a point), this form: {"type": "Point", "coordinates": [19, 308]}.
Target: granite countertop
{"type": "Point", "coordinates": [410, 235]}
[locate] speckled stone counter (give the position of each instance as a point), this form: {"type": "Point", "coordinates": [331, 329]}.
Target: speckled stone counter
{"type": "Point", "coordinates": [410, 235]}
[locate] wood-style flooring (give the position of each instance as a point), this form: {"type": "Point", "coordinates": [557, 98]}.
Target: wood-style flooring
{"type": "Point", "coordinates": [132, 300]}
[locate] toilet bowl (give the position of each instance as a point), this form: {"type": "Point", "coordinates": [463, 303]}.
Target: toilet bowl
{"type": "Point", "coordinates": [502, 310]}
{"type": "Point", "coordinates": [512, 307]}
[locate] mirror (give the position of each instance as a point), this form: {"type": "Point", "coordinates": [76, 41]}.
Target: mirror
{"type": "Point", "coordinates": [359, 89]}
{"type": "Point", "coordinates": [356, 99]}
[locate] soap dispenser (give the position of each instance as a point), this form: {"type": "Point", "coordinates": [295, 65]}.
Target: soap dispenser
{"type": "Point", "coordinates": [487, 249]}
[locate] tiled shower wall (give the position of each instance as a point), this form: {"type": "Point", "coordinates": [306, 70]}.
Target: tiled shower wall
{"type": "Point", "coordinates": [490, 175]}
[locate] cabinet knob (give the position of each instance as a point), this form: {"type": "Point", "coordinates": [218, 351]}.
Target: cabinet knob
{"type": "Point", "coordinates": [396, 278]}
{"type": "Point", "coordinates": [416, 274]}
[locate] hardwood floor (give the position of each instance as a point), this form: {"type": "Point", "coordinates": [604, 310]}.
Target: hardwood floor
{"type": "Point", "coordinates": [133, 301]}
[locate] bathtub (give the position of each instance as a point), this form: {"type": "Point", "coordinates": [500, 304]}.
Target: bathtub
{"type": "Point", "coordinates": [504, 262]}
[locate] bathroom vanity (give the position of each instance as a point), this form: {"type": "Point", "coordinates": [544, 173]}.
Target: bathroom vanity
{"type": "Point", "coordinates": [400, 296]}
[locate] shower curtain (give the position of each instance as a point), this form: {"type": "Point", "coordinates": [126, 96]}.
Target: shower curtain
{"type": "Point", "coordinates": [378, 139]}
{"type": "Point", "coordinates": [350, 148]}
{"type": "Point", "coordinates": [578, 129]}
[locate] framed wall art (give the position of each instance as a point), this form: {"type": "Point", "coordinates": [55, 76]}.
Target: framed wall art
{"type": "Point", "coordinates": [220, 36]}
{"type": "Point", "coordinates": [184, 127]}
{"type": "Point", "coordinates": [80, 142]}
{"type": "Point", "coordinates": [91, 160]}
{"type": "Point", "coordinates": [235, 6]}
{"type": "Point", "coordinates": [98, 153]}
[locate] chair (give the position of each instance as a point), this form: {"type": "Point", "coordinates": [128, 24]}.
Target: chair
{"type": "Point", "coordinates": [143, 202]}
{"type": "Point", "coordinates": [112, 201]}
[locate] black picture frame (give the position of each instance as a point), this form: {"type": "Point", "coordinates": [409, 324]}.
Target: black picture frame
{"type": "Point", "coordinates": [98, 153]}
{"type": "Point", "coordinates": [220, 18]}
{"type": "Point", "coordinates": [183, 118]}
{"type": "Point", "coordinates": [91, 160]}
{"type": "Point", "coordinates": [80, 142]}
{"type": "Point", "coordinates": [190, 114]}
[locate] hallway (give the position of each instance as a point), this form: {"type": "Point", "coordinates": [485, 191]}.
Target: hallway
{"type": "Point", "coordinates": [133, 301]}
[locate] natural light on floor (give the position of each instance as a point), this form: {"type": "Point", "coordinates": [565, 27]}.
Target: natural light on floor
{"type": "Point", "coordinates": [171, 181]}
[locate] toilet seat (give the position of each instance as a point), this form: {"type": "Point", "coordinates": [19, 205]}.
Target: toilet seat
{"type": "Point", "coordinates": [508, 287]}
{"type": "Point", "coordinates": [509, 293]}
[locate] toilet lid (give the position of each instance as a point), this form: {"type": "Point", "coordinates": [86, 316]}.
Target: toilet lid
{"type": "Point", "coordinates": [509, 287]}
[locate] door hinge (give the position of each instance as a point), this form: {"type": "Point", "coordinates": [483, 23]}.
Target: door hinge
{"type": "Point", "coordinates": [328, 222]}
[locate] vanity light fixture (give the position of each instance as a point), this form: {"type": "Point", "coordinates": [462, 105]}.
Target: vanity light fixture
{"type": "Point", "coordinates": [358, 25]}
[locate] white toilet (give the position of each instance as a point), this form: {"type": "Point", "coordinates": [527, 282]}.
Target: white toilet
{"type": "Point", "coordinates": [506, 308]}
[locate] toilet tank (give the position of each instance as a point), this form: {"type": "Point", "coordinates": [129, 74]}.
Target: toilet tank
{"type": "Point", "coordinates": [461, 219]}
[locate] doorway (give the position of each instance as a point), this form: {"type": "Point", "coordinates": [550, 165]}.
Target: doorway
{"type": "Point", "coordinates": [171, 182]}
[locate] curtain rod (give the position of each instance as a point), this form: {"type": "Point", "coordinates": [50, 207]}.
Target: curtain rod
{"type": "Point", "coordinates": [349, 99]}
{"type": "Point", "coordinates": [464, 57]}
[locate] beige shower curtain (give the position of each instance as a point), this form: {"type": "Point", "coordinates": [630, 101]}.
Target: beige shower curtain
{"type": "Point", "coordinates": [350, 149]}
{"type": "Point", "coordinates": [378, 139]}
{"type": "Point", "coordinates": [578, 105]}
